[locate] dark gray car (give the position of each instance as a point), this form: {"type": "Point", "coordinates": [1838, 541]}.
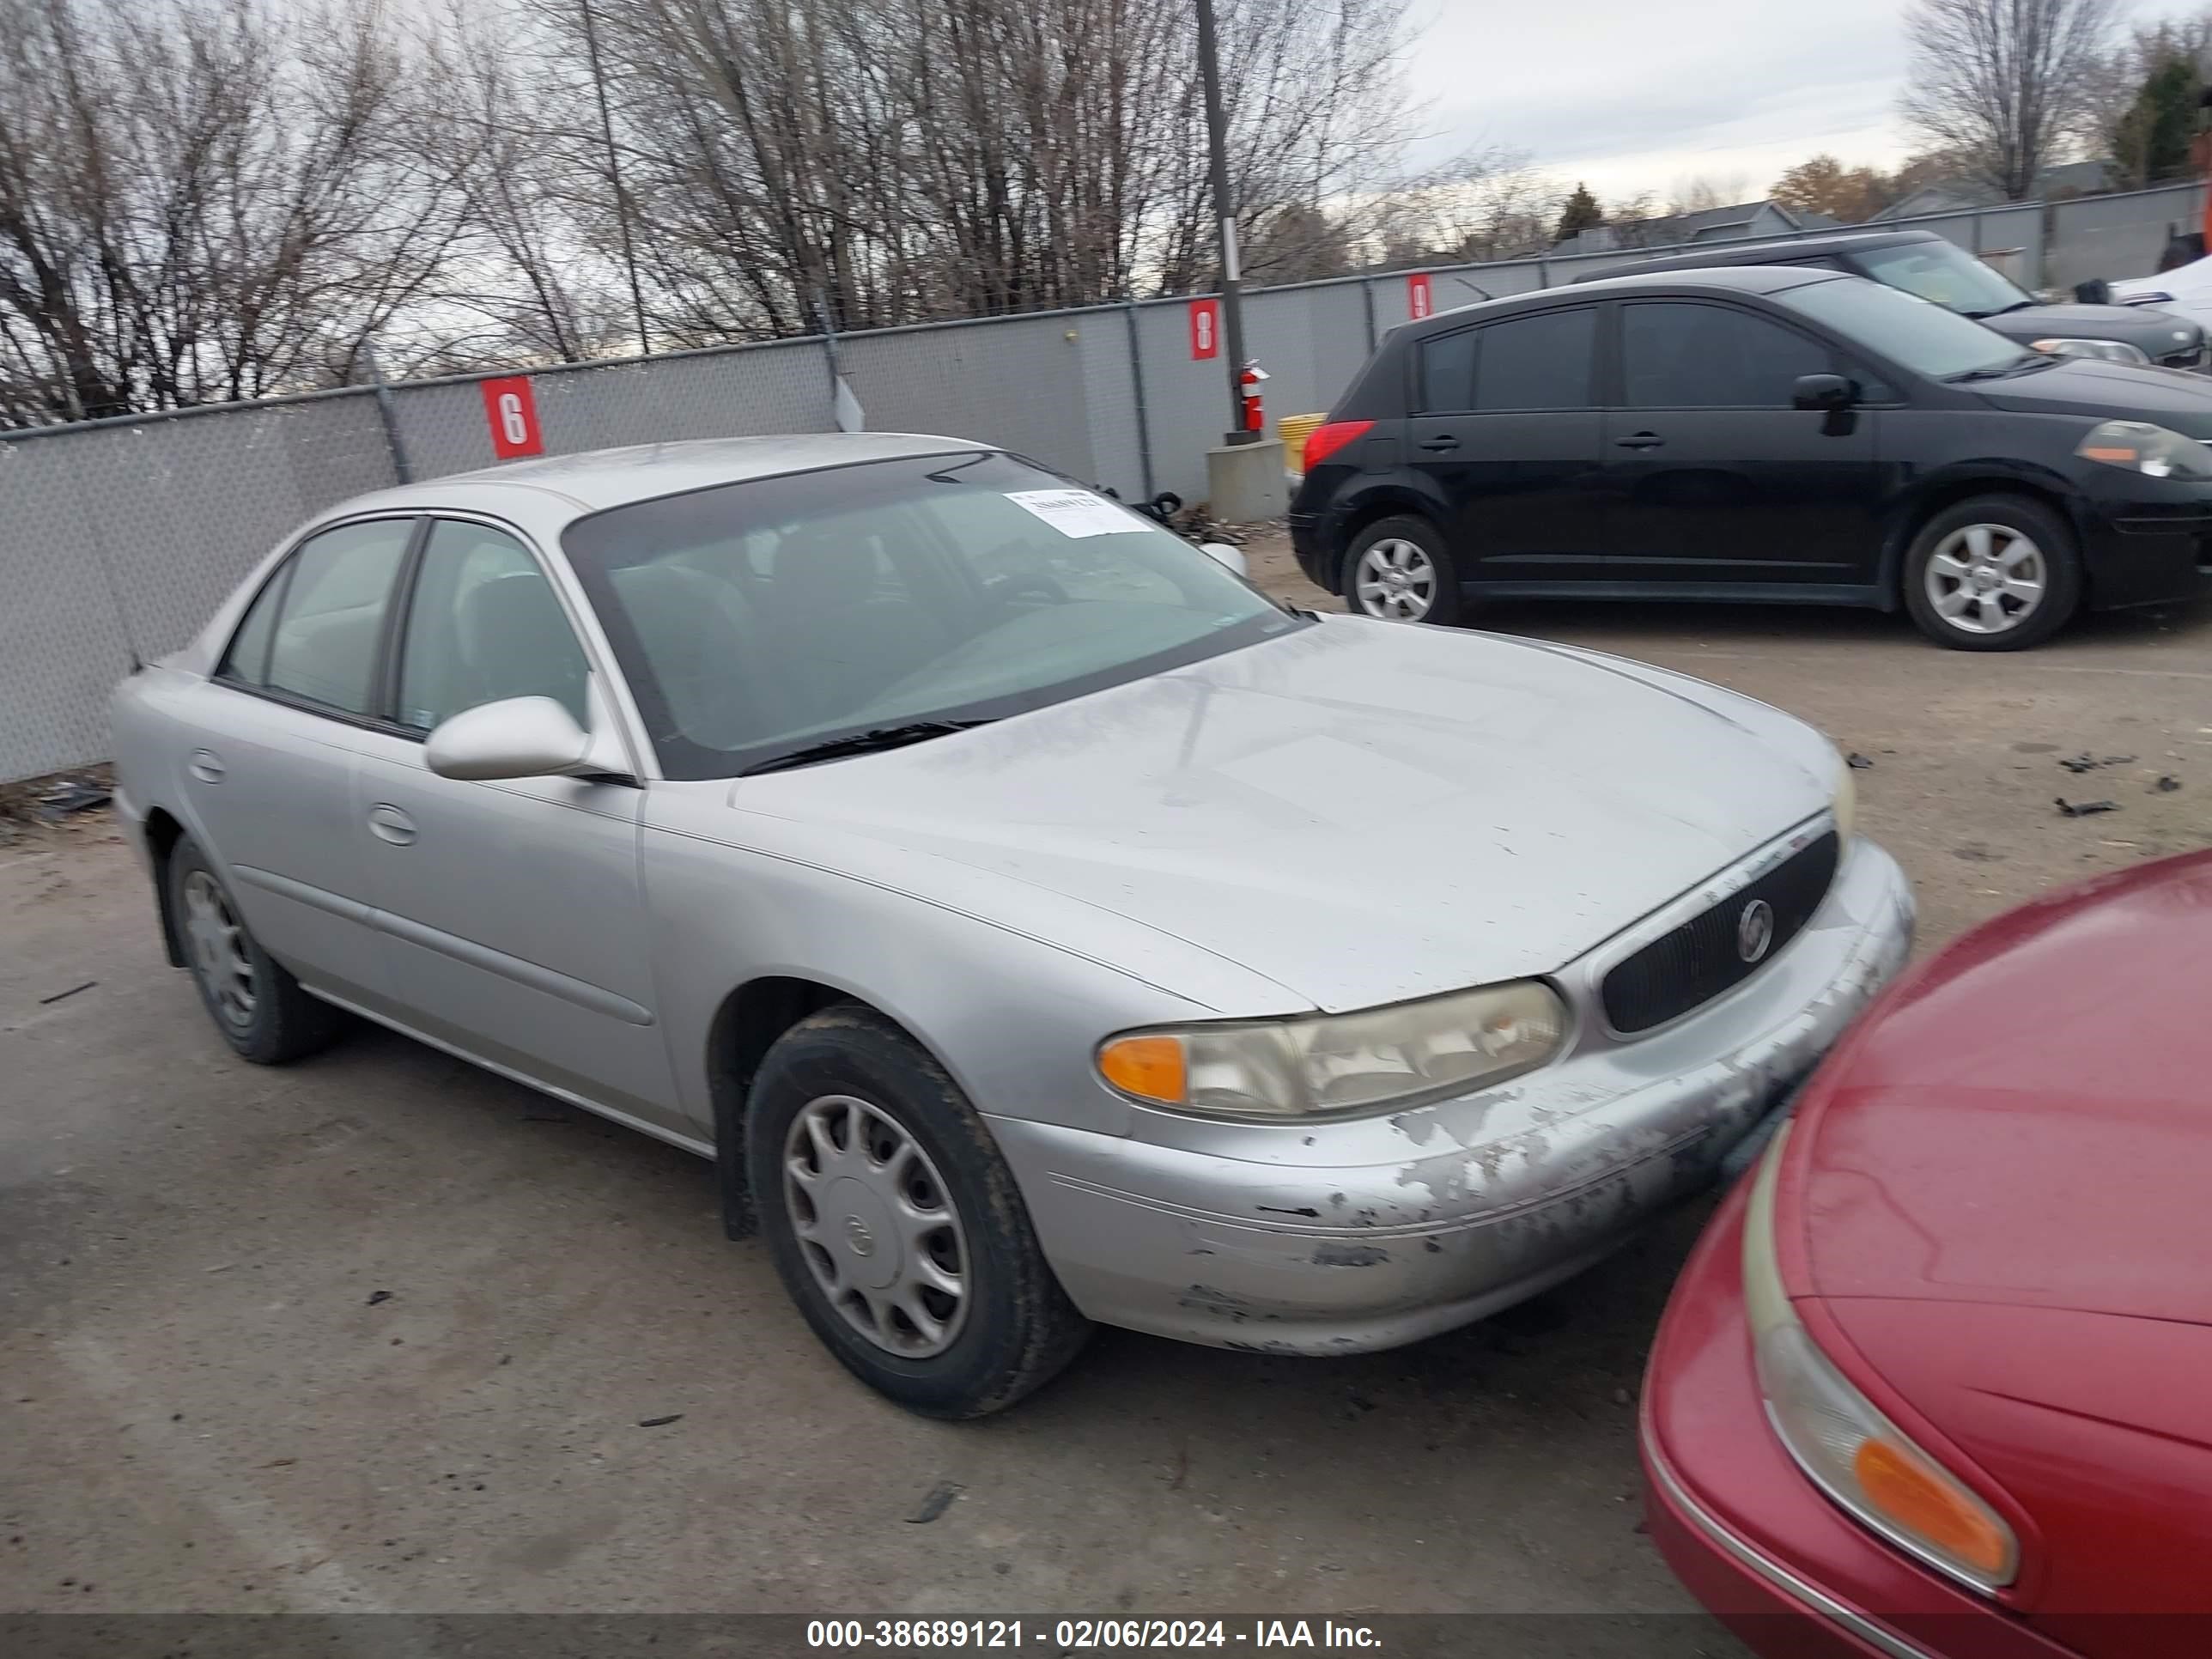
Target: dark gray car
{"type": "Point", "coordinates": [1921, 263]}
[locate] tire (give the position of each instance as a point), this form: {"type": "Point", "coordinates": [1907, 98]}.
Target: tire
{"type": "Point", "coordinates": [1961, 570]}
{"type": "Point", "coordinates": [1407, 545]}
{"type": "Point", "coordinates": [259, 1007]}
{"type": "Point", "coordinates": [849, 1117]}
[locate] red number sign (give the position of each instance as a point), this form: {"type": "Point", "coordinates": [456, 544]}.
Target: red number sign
{"type": "Point", "coordinates": [513, 413]}
{"type": "Point", "coordinates": [1205, 329]}
{"type": "Point", "coordinates": [1417, 302]}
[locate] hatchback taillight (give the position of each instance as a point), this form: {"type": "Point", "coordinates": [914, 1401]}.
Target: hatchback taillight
{"type": "Point", "coordinates": [1331, 436]}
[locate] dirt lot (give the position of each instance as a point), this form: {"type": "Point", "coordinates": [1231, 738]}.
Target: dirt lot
{"type": "Point", "coordinates": [383, 1332]}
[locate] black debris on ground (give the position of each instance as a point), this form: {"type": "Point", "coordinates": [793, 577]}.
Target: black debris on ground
{"type": "Point", "coordinates": [375, 1296]}
{"type": "Point", "coordinates": [2086, 762]}
{"type": "Point", "coordinates": [659, 1422]}
{"type": "Point", "coordinates": [89, 983]}
{"type": "Point", "coordinates": [2167, 784]}
{"type": "Point", "coordinates": [2083, 809]}
{"type": "Point", "coordinates": [1857, 761]}
{"type": "Point", "coordinates": [934, 1503]}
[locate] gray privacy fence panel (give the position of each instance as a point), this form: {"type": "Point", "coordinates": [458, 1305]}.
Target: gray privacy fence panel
{"type": "Point", "coordinates": [1106, 371]}
{"type": "Point", "coordinates": [123, 537]}
{"type": "Point", "coordinates": [744, 392]}
{"type": "Point", "coordinates": [2115, 236]}
{"type": "Point", "coordinates": [62, 644]}
{"type": "Point", "coordinates": [1311, 341]}
{"type": "Point", "coordinates": [1015, 380]}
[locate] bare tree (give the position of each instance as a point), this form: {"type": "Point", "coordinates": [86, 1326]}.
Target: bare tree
{"type": "Point", "coordinates": [200, 203]}
{"type": "Point", "coordinates": [2006, 84]}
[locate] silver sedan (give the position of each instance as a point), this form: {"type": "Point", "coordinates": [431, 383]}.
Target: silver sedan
{"type": "Point", "coordinates": [1035, 924]}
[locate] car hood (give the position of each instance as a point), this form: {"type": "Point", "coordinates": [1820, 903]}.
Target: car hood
{"type": "Point", "coordinates": [1360, 812]}
{"type": "Point", "coordinates": [2028, 1121]}
{"type": "Point", "coordinates": [2154, 333]}
{"type": "Point", "coordinates": [2175, 398]}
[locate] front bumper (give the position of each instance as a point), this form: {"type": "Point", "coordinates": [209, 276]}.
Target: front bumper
{"type": "Point", "coordinates": [2149, 542]}
{"type": "Point", "coordinates": [1337, 1237]}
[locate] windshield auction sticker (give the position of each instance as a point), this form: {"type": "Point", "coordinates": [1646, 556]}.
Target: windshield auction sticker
{"type": "Point", "coordinates": [1076, 511]}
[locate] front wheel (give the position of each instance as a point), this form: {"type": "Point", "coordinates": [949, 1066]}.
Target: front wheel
{"type": "Point", "coordinates": [896, 1224]}
{"type": "Point", "coordinates": [1997, 573]}
{"type": "Point", "coordinates": [1399, 570]}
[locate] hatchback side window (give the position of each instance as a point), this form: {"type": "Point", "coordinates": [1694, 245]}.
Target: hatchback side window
{"type": "Point", "coordinates": [1447, 373]}
{"type": "Point", "coordinates": [1707, 357]}
{"type": "Point", "coordinates": [485, 625]}
{"type": "Point", "coordinates": [324, 647]}
{"type": "Point", "coordinates": [1536, 362]}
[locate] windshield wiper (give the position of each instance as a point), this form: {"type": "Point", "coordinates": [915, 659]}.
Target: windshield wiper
{"type": "Point", "coordinates": [863, 742]}
{"type": "Point", "coordinates": [1999, 373]}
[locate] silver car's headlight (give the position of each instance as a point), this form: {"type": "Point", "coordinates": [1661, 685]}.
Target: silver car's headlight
{"type": "Point", "coordinates": [2112, 351]}
{"type": "Point", "coordinates": [1334, 1065]}
{"type": "Point", "coordinates": [1841, 1441]}
{"type": "Point", "coordinates": [2153, 451]}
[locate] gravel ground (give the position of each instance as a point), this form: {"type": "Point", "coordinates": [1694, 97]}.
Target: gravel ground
{"type": "Point", "coordinates": [381, 1331]}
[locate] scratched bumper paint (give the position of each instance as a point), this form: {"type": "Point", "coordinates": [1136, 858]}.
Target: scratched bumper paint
{"type": "Point", "coordinates": [1345, 1237]}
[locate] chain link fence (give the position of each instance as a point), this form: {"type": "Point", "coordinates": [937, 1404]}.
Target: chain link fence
{"type": "Point", "coordinates": [120, 537]}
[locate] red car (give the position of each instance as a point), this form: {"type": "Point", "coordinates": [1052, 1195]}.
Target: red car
{"type": "Point", "coordinates": [1938, 1378]}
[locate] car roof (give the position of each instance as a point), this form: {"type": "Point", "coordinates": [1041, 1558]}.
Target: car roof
{"type": "Point", "coordinates": [1729, 254]}
{"type": "Point", "coordinates": [600, 478]}
{"type": "Point", "coordinates": [1744, 279]}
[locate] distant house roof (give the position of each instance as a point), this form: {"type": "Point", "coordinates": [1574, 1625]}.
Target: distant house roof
{"type": "Point", "coordinates": [1719, 224]}
{"type": "Point", "coordinates": [1964, 195]}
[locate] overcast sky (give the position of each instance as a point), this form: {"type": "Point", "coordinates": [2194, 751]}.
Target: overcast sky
{"type": "Point", "coordinates": [1637, 94]}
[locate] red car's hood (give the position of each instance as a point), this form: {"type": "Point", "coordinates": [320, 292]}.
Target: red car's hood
{"type": "Point", "coordinates": [2029, 1121]}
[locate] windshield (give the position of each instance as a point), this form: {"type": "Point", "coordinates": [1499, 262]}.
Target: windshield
{"type": "Point", "coordinates": [1945, 273]}
{"type": "Point", "coordinates": [756, 619]}
{"type": "Point", "coordinates": [1912, 333]}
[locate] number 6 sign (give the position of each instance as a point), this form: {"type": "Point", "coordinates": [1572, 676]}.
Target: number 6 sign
{"type": "Point", "coordinates": [513, 413]}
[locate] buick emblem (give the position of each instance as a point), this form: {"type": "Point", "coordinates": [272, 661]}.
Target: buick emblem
{"type": "Point", "coordinates": [1754, 930]}
{"type": "Point", "coordinates": [861, 1240]}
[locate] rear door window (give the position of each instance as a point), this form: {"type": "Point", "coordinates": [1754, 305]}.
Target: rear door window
{"type": "Point", "coordinates": [325, 645]}
{"type": "Point", "coordinates": [1536, 362]}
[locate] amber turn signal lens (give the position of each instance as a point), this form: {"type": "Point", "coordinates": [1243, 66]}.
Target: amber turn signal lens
{"type": "Point", "coordinates": [1927, 1504]}
{"type": "Point", "coordinates": [1150, 1068]}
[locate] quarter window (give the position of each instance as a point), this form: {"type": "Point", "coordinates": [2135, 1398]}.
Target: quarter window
{"type": "Point", "coordinates": [334, 596]}
{"type": "Point", "coordinates": [1705, 356]}
{"type": "Point", "coordinates": [1535, 362]}
{"type": "Point", "coordinates": [485, 625]}
{"type": "Point", "coordinates": [1448, 372]}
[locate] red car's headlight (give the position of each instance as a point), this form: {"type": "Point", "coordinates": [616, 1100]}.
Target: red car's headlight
{"type": "Point", "coordinates": [1861, 1459]}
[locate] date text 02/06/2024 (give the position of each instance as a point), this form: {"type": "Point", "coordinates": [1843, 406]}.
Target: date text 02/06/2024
{"type": "Point", "coordinates": [1081, 1635]}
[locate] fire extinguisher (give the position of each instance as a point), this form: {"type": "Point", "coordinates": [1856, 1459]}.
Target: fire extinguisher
{"type": "Point", "coordinates": [1248, 380]}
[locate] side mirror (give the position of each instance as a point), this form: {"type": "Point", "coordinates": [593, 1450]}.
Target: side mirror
{"type": "Point", "coordinates": [1823, 391]}
{"type": "Point", "coordinates": [521, 738]}
{"type": "Point", "coordinates": [2095, 292]}
{"type": "Point", "coordinates": [1229, 558]}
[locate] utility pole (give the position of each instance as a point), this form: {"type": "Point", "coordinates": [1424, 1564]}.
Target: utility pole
{"type": "Point", "coordinates": [1224, 207]}
{"type": "Point", "coordinates": [614, 175]}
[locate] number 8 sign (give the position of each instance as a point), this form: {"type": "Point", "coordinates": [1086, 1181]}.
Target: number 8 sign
{"type": "Point", "coordinates": [511, 412]}
{"type": "Point", "coordinates": [1205, 329]}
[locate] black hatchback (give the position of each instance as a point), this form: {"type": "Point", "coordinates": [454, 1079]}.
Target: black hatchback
{"type": "Point", "coordinates": [1761, 433]}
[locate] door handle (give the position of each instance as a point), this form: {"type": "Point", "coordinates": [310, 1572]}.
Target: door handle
{"type": "Point", "coordinates": [205, 766]}
{"type": "Point", "coordinates": [390, 824]}
{"type": "Point", "coordinates": [1447, 442]}
{"type": "Point", "coordinates": [1641, 440]}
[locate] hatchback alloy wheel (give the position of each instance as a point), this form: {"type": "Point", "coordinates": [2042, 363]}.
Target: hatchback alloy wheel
{"type": "Point", "coordinates": [1986, 579]}
{"type": "Point", "coordinates": [220, 957]}
{"type": "Point", "coordinates": [1396, 580]}
{"type": "Point", "coordinates": [877, 1226]}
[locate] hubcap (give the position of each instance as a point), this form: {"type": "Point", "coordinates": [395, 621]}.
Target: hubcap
{"type": "Point", "coordinates": [219, 954]}
{"type": "Point", "coordinates": [1986, 579]}
{"type": "Point", "coordinates": [876, 1225]}
{"type": "Point", "coordinates": [1396, 580]}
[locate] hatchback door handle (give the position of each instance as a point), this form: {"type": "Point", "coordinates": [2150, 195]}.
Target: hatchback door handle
{"type": "Point", "coordinates": [390, 824]}
{"type": "Point", "coordinates": [1641, 440]}
{"type": "Point", "coordinates": [1447, 442]}
{"type": "Point", "coordinates": [204, 766]}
